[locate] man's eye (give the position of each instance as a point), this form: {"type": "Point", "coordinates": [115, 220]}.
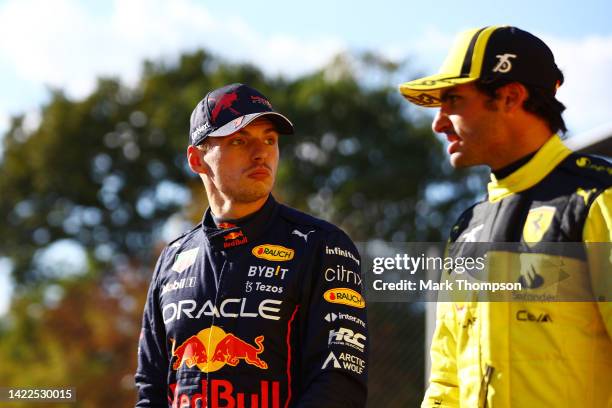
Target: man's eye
{"type": "Point", "coordinates": [271, 141]}
{"type": "Point", "coordinates": [236, 141]}
{"type": "Point", "coordinates": [452, 98]}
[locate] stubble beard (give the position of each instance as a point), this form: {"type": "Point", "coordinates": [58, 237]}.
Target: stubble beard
{"type": "Point", "coordinates": [250, 193]}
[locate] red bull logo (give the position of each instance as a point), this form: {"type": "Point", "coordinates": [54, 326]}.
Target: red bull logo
{"type": "Point", "coordinates": [222, 393]}
{"type": "Point", "coordinates": [226, 225]}
{"type": "Point", "coordinates": [232, 239]}
{"type": "Point", "coordinates": [227, 349]}
{"type": "Point", "coordinates": [225, 102]}
{"type": "Point", "coordinates": [233, 235]}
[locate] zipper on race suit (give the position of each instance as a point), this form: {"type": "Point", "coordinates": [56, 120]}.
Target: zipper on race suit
{"type": "Point", "coordinates": [484, 386]}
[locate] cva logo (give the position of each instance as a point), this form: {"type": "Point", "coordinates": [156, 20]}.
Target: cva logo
{"type": "Point", "coordinates": [344, 296]}
{"type": "Point", "coordinates": [273, 252]}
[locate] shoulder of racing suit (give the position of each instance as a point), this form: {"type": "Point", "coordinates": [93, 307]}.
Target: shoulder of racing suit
{"type": "Point", "coordinates": [298, 218]}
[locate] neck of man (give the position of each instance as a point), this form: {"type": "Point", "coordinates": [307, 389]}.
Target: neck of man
{"type": "Point", "coordinates": [226, 209]}
{"type": "Point", "coordinates": [525, 137]}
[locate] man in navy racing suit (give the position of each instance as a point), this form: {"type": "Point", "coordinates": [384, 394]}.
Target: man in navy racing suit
{"type": "Point", "coordinates": [259, 305]}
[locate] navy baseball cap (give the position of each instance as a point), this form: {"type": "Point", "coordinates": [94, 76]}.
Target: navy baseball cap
{"type": "Point", "coordinates": [228, 109]}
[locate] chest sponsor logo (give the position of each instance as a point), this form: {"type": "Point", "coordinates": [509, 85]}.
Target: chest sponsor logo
{"type": "Point", "coordinates": [344, 296]}
{"type": "Point", "coordinates": [537, 223]}
{"type": "Point", "coordinates": [224, 393]}
{"type": "Point", "coordinates": [344, 360]}
{"type": "Point", "coordinates": [347, 337]}
{"type": "Point", "coordinates": [212, 348]}
{"type": "Point", "coordinates": [332, 317]}
{"type": "Point", "coordinates": [341, 274]}
{"type": "Point", "coordinates": [234, 239]}
{"type": "Point", "coordinates": [302, 234]}
{"type": "Point", "coordinates": [179, 284]}
{"type": "Point", "coordinates": [261, 287]}
{"type": "Point", "coordinates": [341, 252]}
{"type": "Point", "coordinates": [268, 309]}
{"type": "Point", "coordinates": [526, 316]}
{"type": "Point", "coordinates": [267, 272]}
{"type": "Point", "coordinates": [185, 259]}
{"type": "Point", "coordinates": [273, 252]}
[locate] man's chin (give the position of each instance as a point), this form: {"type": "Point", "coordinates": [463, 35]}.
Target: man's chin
{"type": "Point", "coordinates": [253, 193]}
{"type": "Point", "coordinates": [458, 161]}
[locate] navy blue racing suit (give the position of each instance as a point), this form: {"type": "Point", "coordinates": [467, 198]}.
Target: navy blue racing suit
{"type": "Point", "coordinates": [266, 313]}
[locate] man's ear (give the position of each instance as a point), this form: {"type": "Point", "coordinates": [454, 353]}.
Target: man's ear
{"type": "Point", "coordinates": [512, 96]}
{"type": "Point", "coordinates": [194, 158]}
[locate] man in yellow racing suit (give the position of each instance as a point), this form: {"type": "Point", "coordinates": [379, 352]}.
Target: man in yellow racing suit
{"type": "Point", "coordinates": [550, 344]}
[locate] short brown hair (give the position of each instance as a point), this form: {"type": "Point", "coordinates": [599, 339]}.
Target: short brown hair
{"type": "Point", "coordinates": [541, 102]}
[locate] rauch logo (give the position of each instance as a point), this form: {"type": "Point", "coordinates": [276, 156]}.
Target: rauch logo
{"type": "Point", "coordinates": [344, 296]}
{"type": "Point", "coordinates": [273, 252]}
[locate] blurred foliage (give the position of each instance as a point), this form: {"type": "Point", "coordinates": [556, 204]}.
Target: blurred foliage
{"type": "Point", "coordinates": [109, 171]}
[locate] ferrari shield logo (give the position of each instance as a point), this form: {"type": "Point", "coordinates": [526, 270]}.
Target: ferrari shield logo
{"type": "Point", "coordinates": [538, 221]}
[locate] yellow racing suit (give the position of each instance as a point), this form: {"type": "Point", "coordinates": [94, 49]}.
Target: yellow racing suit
{"type": "Point", "coordinates": [534, 354]}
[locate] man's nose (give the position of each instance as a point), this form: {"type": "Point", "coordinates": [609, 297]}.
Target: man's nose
{"type": "Point", "coordinates": [259, 150]}
{"type": "Point", "coordinates": [440, 122]}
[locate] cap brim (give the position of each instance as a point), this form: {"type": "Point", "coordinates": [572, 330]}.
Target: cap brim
{"type": "Point", "coordinates": [283, 125]}
{"type": "Point", "coordinates": [426, 91]}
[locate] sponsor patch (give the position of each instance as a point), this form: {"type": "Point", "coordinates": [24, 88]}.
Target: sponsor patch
{"type": "Point", "coordinates": [341, 252]}
{"type": "Point", "coordinates": [273, 252]}
{"type": "Point", "coordinates": [185, 259]}
{"type": "Point", "coordinates": [332, 317]}
{"type": "Point", "coordinates": [341, 274]}
{"type": "Point", "coordinates": [267, 272]}
{"type": "Point", "coordinates": [346, 361]}
{"type": "Point", "coordinates": [345, 296]}
{"type": "Point", "coordinates": [212, 348]}
{"type": "Point", "coordinates": [347, 337]}
{"type": "Point", "coordinates": [537, 223]}
{"type": "Point", "coordinates": [179, 284]}
{"type": "Point", "coordinates": [231, 307]}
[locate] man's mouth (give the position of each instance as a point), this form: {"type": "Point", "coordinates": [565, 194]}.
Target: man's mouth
{"type": "Point", "coordinates": [259, 172]}
{"type": "Point", "coordinates": [454, 142]}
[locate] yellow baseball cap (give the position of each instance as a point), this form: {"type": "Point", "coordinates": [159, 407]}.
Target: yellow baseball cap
{"type": "Point", "coordinates": [490, 53]}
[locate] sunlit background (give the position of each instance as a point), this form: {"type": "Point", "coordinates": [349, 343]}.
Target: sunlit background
{"type": "Point", "coordinates": [54, 51]}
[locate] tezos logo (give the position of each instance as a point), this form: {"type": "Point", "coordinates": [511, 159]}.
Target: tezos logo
{"type": "Point", "coordinates": [273, 252]}
{"type": "Point", "coordinates": [345, 296]}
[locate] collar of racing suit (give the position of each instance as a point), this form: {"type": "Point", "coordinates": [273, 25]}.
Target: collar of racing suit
{"type": "Point", "coordinates": [249, 230]}
{"type": "Point", "coordinates": [539, 166]}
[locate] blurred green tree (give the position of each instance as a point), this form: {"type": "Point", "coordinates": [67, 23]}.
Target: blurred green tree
{"type": "Point", "coordinates": [106, 173]}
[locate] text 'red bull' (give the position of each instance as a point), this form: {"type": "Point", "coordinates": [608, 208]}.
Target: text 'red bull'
{"type": "Point", "coordinates": [223, 395]}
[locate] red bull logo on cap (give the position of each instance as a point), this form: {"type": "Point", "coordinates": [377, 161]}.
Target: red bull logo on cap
{"type": "Point", "coordinates": [212, 348]}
